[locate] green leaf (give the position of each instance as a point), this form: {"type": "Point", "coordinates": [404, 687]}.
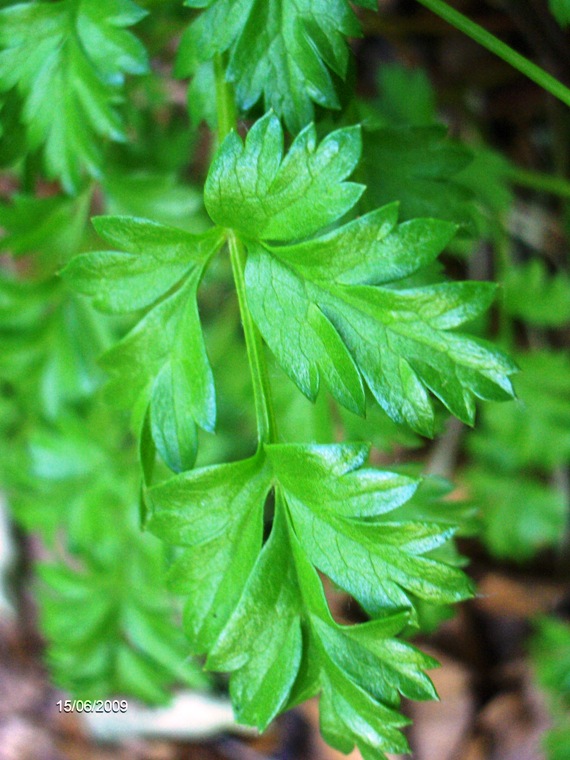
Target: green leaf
{"type": "Point", "coordinates": [260, 612]}
{"type": "Point", "coordinates": [375, 561]}
{"type": "Point", "coordinates": [550, 653]}
{"type": "Point", "coordinates": [262, 194]}
{"type": "Point", "coordinates": [401, 341]}
{"type": "Point", "coordinates": [216, 514]}
{"type": "Point", "coordinates": [57, 230]}
{"type": "Point", "coordinates": [536, 297]}
{"type": "Point", "coordinates": [282, 643]}
{"type": "Point", "coordinates": [406, 97]}
{"type": "Point", "coordinates": [68, 62]}
{"type": "Point", "coordinates": [152, 260]}
{"type": "Point", "coordinates": [281, 50]}
{"type": "Point", "coordinates": [110, 626]}
{"type": "Point", "coordinates": [263, 640]}
{"type": "Point", "coordinates": [163, 360]}
{"type": "Point", "coordinates": [557, 740]}
{"type": "Point", "coordinates": [550, 650]}
{"type": "Point", "coordinates": [311, 300]}
{"type": "Point", "coordinates": [152, 195]}
{"type": "Point", "coordinates": [419, 168]}
{"type": "Point", "coordinates": [50, 341]}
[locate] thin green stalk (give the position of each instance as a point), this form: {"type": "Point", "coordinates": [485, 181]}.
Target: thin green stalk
{"type": "Point", "coordinates": [225, 100]}
{"type": "Point", "coordinates": [264, 413]}
{"type": "Point", "coordinates": [502, 263]}
{"type": "Point", "coordinates": [499, 48]}
{"type": "Point", "coordinates": [537, 181]}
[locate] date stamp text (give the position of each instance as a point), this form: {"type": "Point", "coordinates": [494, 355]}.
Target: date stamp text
{"type": "Point", "coordinates": [92, 705]}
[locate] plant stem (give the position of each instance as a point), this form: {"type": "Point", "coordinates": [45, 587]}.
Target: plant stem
{"type": "Point", "coordinates": [538, 181]}
{"type": "Point", "coordinates": [502, 263]}
{"type": "Point", "coordinates": [499, 48]}
{"type": "Point", "coordinates": [225, 100]}
{"type": "Point", "coordinates": [264, 413]}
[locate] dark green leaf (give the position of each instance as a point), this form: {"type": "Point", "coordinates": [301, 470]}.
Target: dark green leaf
{"type": "Point", "coordinates": [281, 50]}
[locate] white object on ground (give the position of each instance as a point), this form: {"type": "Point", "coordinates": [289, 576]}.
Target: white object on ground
{"type": "Point", "coordinates": [7, 559]}
{"type": "Point", "coordinates": [190, 716]}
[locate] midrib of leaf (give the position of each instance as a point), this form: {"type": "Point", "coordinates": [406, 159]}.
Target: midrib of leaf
{"type": "Point", "coordinates": [264, 412]}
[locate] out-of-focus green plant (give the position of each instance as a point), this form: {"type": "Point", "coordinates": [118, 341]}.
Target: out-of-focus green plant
{"type": "Point", "coordinates": [550, 651]}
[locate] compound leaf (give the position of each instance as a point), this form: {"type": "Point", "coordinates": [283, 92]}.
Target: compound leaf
{"type": "Point", "coordinates": [261, 613]}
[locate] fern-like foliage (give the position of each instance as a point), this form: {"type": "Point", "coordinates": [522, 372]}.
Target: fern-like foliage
{"type": "Point", "coordinates": [66, 63]}
{"type": "Point", "coordinates": [516, 451]}
{"type": "Point", "coordinates": [110, 626]}
{"type": "Point", "coordinates": [536, 297]}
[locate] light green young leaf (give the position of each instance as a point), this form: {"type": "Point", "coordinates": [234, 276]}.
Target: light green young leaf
{"type": "Point", "coordinates": [68, 62]}
{"type": "Point", "coordinates": [281, 50]}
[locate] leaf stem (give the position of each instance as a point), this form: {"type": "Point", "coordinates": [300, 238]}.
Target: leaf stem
{"type": "Point", "coordinates": [225, 101]}
{"type": "Point", "coordinates": [264, 412]}
{"type": "Point", "coordinates": [499, 48]}
{"type": "Point", "coordinates": [538, 181]}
